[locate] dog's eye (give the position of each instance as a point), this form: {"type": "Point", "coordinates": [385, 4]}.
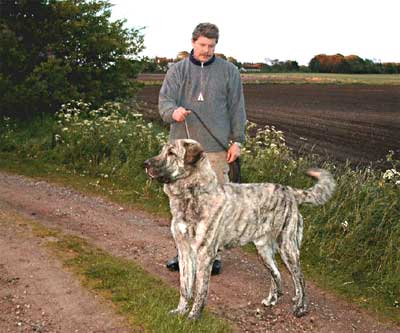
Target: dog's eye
{"type": "Point", "coordinates": [171, 153]}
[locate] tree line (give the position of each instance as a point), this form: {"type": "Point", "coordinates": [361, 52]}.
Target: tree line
{"type": "Point", "coordinates": [320, 63]}
{"type": "Point", "coordinates": [352, 64]}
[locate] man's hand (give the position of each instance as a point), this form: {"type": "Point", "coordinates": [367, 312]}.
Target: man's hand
{"type": "Point", "coordinates": [180, 114]}
{"type": "Point", "coordinates": [233, 153]}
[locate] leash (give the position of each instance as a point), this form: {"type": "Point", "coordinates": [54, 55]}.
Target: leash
{"type": "Point", "coordinates": [234, 167]}
{"type": "Point", "coordinates": [206, 127]}
{"type": "Point", "coordinates": [187, 130]}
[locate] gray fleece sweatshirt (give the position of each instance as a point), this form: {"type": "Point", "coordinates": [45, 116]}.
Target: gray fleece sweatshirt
{"type": "Point", "coordinates": [220, 106]}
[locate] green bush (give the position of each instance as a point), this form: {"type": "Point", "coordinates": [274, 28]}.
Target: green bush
{"type": "Point", "coordinates": [110, 142]}
{"type": "Point", "coordinates": [54, 51]}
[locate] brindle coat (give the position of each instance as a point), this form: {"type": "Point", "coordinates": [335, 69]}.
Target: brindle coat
{"type": "Point", "coordinates": [207, 216]}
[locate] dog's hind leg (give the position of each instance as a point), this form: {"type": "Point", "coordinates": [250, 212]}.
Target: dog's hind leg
{"type": "Point", "coordinates": [290, 254]}
{"type": "Point", "coordinates": [267, 253]}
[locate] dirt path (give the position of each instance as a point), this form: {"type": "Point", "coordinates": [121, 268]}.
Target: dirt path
{"type": "Point", "coordinates": [235, 294]}
{"type": "Point", "coordinates": [37, 294]}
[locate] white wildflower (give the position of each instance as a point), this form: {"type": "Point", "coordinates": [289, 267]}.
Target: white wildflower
{"type": "Point", "coordinates": [392, 175]}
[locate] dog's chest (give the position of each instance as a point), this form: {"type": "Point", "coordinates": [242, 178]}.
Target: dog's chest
{"type": "Point", "coordinates": [191, 208]}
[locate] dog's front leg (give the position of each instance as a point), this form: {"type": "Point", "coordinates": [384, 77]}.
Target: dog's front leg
{"type": "Point", "coordinates": [203, 273]}
{"type": "Point", "coordinates": [187, 271]}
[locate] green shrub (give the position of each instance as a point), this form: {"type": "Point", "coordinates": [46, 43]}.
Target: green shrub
{"type": "Point", "coordinates": [55, 51]}
{"type": "Point", "coordinates": [110, 142]}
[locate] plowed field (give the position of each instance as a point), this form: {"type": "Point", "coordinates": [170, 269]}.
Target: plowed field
{"type": "Point", "coordinates": [356, 122]}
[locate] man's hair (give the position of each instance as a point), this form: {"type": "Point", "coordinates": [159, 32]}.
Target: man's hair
{"type": "Point", "coordinates": [208, 30]}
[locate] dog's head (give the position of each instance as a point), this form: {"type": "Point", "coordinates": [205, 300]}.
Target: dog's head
{"type": "Point", "coordinates": [176, 160]}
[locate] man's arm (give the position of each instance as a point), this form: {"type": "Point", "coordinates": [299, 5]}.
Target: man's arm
{"type": "Point", "coordinates": [236, 107]}
{"type": "Point", "coordinates": [168, 97]}
{"type": "Point", "coordinates": [237, 115]}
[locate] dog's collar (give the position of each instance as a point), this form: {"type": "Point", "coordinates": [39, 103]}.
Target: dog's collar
{"type": "Point", "coordinates": [196, 62]}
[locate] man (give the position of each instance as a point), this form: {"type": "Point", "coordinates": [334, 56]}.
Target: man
{"type": "Point", "coordinates": [212, 88]}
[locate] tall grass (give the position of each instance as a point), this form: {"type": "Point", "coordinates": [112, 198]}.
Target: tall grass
{"type": "Point", "coordinates": [351, 244]}
{"type": "Point", "coordinates": [108, 144]}
{"type": "Point", "coordinates": [355, 238]}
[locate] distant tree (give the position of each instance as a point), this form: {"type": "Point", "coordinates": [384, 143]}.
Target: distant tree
{"type": "Point", "coordinates": [274, 62]}
{"type": "Point", "coordinates": [291, 66]}
{"type": "Point", "coordinates": [220, 55]}
{"type": "Point", "coordinates": [304, 69]}
{"type": "Point", "coordinates": [281, 66]}
{"type": "Point", "coordinates": [391, 68]}
{"type": "Point", "coordinates": [315, 64]}
{"type": "Point", "coordinates": [338, 63]}
{"type": "Point", "coordinates": [372, 67]}
{"type": "Point", "coordinates": [356, 64]}
{"type": "Point", "coordinates": [53, 51]}
{"type": "Point", "coordinates": [234, 61]}
{"type": "Point", "coordinates": [323, 63]}
{"type": "Point", "coordinates": [149, 65]}
{"type": "Point", "coordinates": [163, 63]}
{"type": "Point", "coordinates": [182, 55]}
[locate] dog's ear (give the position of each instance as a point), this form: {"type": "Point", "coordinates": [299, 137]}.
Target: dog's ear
{"type": "Point", "coordinates": [193, 152]}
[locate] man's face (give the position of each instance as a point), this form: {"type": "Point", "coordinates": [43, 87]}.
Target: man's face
{"type": "Point", "coordinates": [203, 48]}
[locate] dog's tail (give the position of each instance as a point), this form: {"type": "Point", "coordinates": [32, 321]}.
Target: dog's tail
{"type": "Point", "coordinates": [321, 192]}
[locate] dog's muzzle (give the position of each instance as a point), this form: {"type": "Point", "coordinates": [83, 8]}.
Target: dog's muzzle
{"type": "Point", "coordinates": [153, 174]}
{"type": "Point", "coordinates": [149, 169]}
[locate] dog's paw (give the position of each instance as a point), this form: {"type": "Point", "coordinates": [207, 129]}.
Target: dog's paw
{"type": "Point", "coordinates": [179, 311]}
{"type": "Point", "coordinates": [270, 301]}
{"type": "Point", "coordinates": [194, 315]}
{"type": "Point", "coordinates": [300, 310]}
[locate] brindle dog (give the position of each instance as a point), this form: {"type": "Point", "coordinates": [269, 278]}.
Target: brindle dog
{"type": "Point", "coordinates": [207, 216]}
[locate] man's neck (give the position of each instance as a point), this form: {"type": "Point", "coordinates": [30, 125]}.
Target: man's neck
{"type": "Point", "coordinates": [197, 62]}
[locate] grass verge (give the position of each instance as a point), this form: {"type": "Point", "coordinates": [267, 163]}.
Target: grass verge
{"type": "Point", "coordinates": [144, 300]}
{"type": "Point", "coordinates": [118, 192]}
{"type": "Point", "coordinates": [307, 78]}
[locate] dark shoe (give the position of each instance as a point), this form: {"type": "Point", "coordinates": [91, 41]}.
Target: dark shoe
{"type": "Point", "coordinates": [216, 268]}
{"type": "Point", "coordinates": [173, 264]}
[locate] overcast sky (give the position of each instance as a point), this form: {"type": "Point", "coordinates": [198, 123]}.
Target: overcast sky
{"type": "Point", "coordinates": [252, 31]}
